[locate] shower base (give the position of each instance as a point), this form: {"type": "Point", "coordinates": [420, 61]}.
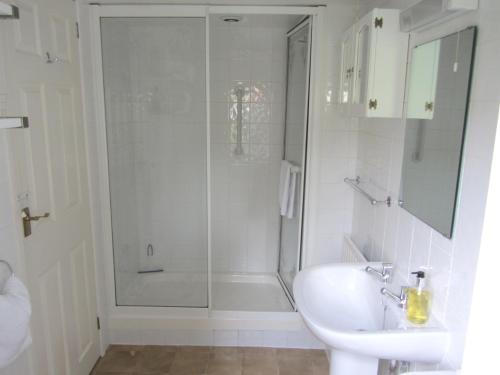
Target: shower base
{"type": "Point", "coordinates": [246, 310]}
{"type": "Point", "coordinates": [243, 292]}
{"type": "Point", "coordinates": [230, 292]}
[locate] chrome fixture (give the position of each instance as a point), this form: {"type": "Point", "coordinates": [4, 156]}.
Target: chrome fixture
{"type": "Point", "coordinates": [50, 59]}
{"type": "Point", "coordinates": [385, 275]}
{"type": "Point", "coordinates": [14, 122]}
{"type": "Point", "coordinates": [239, 91]}
{"type": "Point", "coordinates": [156, 270]}
{"type": "Point", "coordinates": [354, 183]}
{"type": "Point", "coordinates": [400, 300]}
{"type": "Point", "coordinates": [8, 11]}
{"type": "Point", "coordinates": [231, 18]}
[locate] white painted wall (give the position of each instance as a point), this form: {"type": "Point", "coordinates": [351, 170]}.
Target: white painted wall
{"type": "Point", "coordinates": [335, 156]}
{"type": "Point", "coordinates": [479, 357]}
{"type": "Point", "coordinates": [10, 249]}
{"type": "Point", "coordinates": [392, 234]}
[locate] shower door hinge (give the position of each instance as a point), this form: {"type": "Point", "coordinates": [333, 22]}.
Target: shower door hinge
{"type": "Point", "coordinates": [98, 324]}
{"type": "Point", "coordinates": [77, 30]}
{"type": "Point", "coordinates": [379, 22]}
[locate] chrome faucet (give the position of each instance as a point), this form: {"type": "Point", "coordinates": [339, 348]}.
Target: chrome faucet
{"type": "Point", "coordinates": [400, 300]}
{"type": "Point", "coordinates": [385, 275]}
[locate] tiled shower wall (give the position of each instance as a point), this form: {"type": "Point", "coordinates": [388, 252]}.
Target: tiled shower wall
{"type": "Point", "coordinates": [392, 234]}
{"type": "Point", "coordinates": [249, 55]}
{"type": "Point", "coordinates": [154, 73]}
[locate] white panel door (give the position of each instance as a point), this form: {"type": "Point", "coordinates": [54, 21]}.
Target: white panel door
{"type": "Point", "coordinates": [49, 166]}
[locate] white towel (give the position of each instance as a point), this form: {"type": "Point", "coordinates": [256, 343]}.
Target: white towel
{"type": "Point", "coordinates": [288, 182]}
{"type": "Point", "coordinates": [15, 312]}
{"type": "Point", "coordinates": [5, 274]}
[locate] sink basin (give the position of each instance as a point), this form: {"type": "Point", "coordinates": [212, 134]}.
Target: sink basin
{"type": "Point", "coordinates": [342, 305]}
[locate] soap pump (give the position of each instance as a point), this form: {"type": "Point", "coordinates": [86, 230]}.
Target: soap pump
{"type": "Point", "coordinates": [419, 300]}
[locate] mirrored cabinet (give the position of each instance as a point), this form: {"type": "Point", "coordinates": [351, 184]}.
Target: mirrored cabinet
{"type": "Point", "coordinates": [423, 78]}
{"type": "Point", "coordinates": [373, 66]}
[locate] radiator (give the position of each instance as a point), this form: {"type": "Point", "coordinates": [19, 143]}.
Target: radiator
{"type": "Point", "coordinates": [351, 253]}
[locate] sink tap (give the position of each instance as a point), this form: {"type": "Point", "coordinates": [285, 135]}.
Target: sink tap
{"type": "Point", "coordinates": [385, 275]}
{"type": "Point", "coordinates": [400, 300]}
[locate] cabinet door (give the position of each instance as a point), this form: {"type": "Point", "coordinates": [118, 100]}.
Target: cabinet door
{"type": "Point", "coordinates": [363, 36]}
{"type": "Point", "coordinates": [387, 65]}
{"type": "Point", "coordinates": [423, 78]}
{"type": "Point", "coordinates": [347, 68]}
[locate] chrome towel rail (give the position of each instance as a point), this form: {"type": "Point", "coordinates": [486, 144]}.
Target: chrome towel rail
{"type": "Point", "coordinates": [354, 183]}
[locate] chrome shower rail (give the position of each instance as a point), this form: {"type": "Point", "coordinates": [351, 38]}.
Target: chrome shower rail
{"type": "Point", "coordinates": [354, 183]}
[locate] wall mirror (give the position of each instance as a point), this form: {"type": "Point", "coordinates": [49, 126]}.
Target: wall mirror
{"type": "Point", "coordinates": [436, 114]}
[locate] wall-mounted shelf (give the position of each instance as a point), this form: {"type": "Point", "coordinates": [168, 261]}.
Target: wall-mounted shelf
{"type": "Point", "coordinates": [8, 10]}
{"type": "Point", "coordinates": [14, 122]}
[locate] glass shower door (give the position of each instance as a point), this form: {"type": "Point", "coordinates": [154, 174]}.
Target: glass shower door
{"type": "Point", "coordinates": [295, 147]}
{"type": "Point", "coordinates": [154, 86]}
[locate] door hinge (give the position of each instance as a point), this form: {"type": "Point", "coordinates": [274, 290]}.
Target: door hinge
{"type": "Point", "coordinates": [98, 324]}
{"type": "Point", "coordinates": [77, 30]}
{"type": "Point", "coordinates": [379, 22]}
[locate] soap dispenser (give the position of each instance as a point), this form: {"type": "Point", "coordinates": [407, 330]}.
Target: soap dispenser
{"type": "Point", "coordinates": [419, 300]}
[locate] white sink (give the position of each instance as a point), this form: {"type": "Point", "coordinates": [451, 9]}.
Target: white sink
{"type": "Point", "coordinates": [342, 305]}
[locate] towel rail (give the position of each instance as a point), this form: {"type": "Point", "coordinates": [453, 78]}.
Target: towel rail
{"type": "Point", "coordinates": [354, 183]}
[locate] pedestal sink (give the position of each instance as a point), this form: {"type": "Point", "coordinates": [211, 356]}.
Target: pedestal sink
{"type": "Point", "coordinates": [342, 306]}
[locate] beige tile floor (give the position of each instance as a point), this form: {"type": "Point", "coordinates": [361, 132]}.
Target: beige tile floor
{"type": "Point", "coordinates": [196, 360]}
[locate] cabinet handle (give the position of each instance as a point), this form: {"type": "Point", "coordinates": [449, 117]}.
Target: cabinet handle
{"type": "Point", "coordinates": [372, 104]}
{"type": "Point", "coordinates": [429, 106]}
{"type": "Point", "coordinates": [379, 22]}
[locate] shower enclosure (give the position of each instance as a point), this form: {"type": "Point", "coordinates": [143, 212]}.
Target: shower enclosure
{"type": "Point", "coordinates": [200, 111]}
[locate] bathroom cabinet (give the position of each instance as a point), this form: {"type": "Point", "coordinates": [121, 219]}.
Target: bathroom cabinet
{"type": "Point", "coordinates": [373, 66]}
{"type": "Point", "coordinates": [347, 67]}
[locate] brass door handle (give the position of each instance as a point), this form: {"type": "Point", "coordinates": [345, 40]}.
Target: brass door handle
{"type": "Point", "coordinates": [27, 219]}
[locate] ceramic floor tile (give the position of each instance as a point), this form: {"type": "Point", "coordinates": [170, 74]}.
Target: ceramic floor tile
{"type": "Point", "coordinates": [196, 360]}
{"type": "Point", "coordinates": [119, 362]}
{"type": "Point", "coordinates": [188, 367]}
{"type": "Point", "coordinates": [156, 360]}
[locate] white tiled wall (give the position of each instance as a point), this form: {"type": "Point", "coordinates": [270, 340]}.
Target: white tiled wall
{"type": "Point", "coordinates": [337, 145]}
{"type": "Point", "coordinates": [250, 55]}
{"type": "Point", "coordinates": [299, 338]}
{"type": "Point", "coordinates": [392, 234]}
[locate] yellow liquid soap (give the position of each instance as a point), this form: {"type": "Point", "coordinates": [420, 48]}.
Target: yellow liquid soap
{"type": "Point", "coordinates": [418, 305]}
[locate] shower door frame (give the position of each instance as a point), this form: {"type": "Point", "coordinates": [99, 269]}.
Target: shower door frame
{"type": "Point", "coordinates": [307, 22]}
{"type": "Point", "coordinates": [103, 194]}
